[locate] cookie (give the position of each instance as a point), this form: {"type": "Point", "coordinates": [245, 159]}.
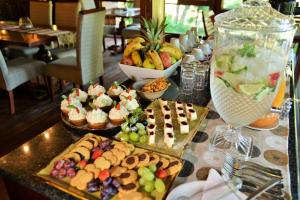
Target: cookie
{"type": "Point", "coordinates": [93, 140]}
{"type": "Point", "coordinates": [131, 187]}
{"type": "Point", "coordinates": [101, 163]}
{"type": "Point", "coordinates": [163, 163]}
{"type": "Point", "coordinates": [143, 160]}
{"type": "Point", "coordinates": [174, 167]}
{"type": "Point", "coordinates": [120, 154]}
{"type": "Point", "coordinates": [122, 147]}
{"type": "Point", "coordinates": [83, 151]}
{"type": "Point", "coordinates": [92, 168]}
{"type": "Point", "coordinates": [132, 196]}
{"type": "Point", "coordinates": [130, 162]}
{"type": "Point", "coordinates": [129, 146]}
{"type": "Point", "coordinates": [108, 155]}
{"type": "Point", "coordinates": [117, 171]}
{"type": "Point", "coordinates": [130, 176]}
{"type": "Point", "coordinates": [72, 157]}
{"type": "Point", "coordinates": [81, 179]}
{"type": "Point", "coordinates": [153, 159]}
{"type": "Point", "coordinates": [87, 144]}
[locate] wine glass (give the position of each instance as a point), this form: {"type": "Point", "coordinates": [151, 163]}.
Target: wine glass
{"type": "Point", "coordinates": [25, 23]}
{"type": "Point", "coordinates": [249, 58]}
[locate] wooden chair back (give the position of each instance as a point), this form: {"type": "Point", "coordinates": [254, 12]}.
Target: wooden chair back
{"type": "Point", "coordinates": [66, 13]}
{"type": "Point", "coordinates": [40, 12]}
{"type": "Point", "coordinates": [208, 22]}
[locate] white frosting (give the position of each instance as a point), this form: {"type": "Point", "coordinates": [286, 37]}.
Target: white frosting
{"type": "Point", "coordinates": [118, 114]}
{"type": "Point", "coordinates": [115, 91]}
{"type": "Point", "coordinates": [69, 101]}
{"type": "Point", "coordinates": [132, 104]}
{"type": "Point", "coordinates": [96, 116]}
{"type": "Point", "coordinates": [77, 114]}
{"type": "Point", "coordinates": [79, 94]}
{"type": "Point", "coordinates": [151, 140]}
{"type": "Point", "coordinates": [169, 141]}
{"type": "Point", "coordinates": [102, 101]}
{"type": "Point", "coordinates": [184, 128]}
{"type": "Point", "coordinates": [126, 93]}
{"type": "Point", "coordinates": [94, 90]}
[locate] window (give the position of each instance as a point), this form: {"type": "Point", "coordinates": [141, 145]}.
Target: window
{"type": "Point", "coordinates": [230, 4]}
{"type": "Point", "coordinates": [181, 18]}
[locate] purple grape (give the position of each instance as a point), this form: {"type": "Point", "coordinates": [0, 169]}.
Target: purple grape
{"type": "Point", "coordinates": [95, 148]}
{"type": "Point", "coordinates": [108, 147]}
{"type": "Point", "coordinates": [106, 197]}
{"type": "Point", "coordinates": [107, 190]}
{"type": "Point", "coordinates": [59, 164]}
{"type": "Point", "coordinates": [71, 172]}
{"type": "Point", "coordinates": [115, 183]}
{"type": "Point", "coordinates": [104, 143]}
{"type": "Point", "coordinates": [62, 173]}
{"type": "Point", "coordinates": [107, 182]}
{"type": "Point", "coordinates": [54, 173]}
{"type": "Point", "coordinates": [72, 164]}
{"type": "Point", "coordinates": [93, 189]}
{"type": "Point", "coordinates": [114, 191]}
{"type": "Point", "coordinates": [94, 182]}
{"type": "Point", "coordinates": [68, 164]}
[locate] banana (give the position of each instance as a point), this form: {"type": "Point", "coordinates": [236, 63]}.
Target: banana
{"type": "Point", "coordinates": [148, 63]}
{"type": "Point", "coordinates": [172, 50]}
{"type": "Point", "coordinates": [156, 59]}
{"type": "Point", "coordinates": [137, 60]}
{"type": "Point", "coordinates": [133, 46]}
{"type": "Point", "coordinates": [138, 39]}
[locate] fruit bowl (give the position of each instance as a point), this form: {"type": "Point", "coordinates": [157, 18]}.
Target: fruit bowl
{"type": "Point", "coordinates": [139, 73]}
{"type": "Point", "coordinates": [147, 95]}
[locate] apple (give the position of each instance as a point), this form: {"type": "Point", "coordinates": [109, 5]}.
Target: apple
{"type": "Point", "coordinates": [127, 61]}
{"type": "Point", "coordinates": [166, 59]}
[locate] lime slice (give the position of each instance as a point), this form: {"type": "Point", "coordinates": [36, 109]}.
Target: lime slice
{"type": "Point", "coordinates": [251, 89]}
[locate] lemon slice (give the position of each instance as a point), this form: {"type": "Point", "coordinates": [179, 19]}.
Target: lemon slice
{"type": "Point", "coordinates": [251, 89]}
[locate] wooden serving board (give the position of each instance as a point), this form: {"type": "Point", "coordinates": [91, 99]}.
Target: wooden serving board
{"type": "Point", "coordinates": [182, 140]}
{"type": "Point", "coordinates": [63, 184]}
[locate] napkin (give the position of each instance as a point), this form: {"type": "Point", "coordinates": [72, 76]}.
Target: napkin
{"type": "Point", "coordinates": [221, 192]}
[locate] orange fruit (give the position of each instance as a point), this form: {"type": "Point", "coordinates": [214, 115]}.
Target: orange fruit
{"type": "Point", "coordinates": [277, 103]}
{"type": "Point", "coordinates": [266, 121]}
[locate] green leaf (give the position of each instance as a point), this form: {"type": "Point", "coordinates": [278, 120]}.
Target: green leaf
{"type": "Point", "coordinates": [248, 50]}
{"type": "Point", "coordinates": [72, 106]}
{"type": "Point", "coordinates": [64, 96]}
{"type": "Point", "coordinates": [92, 105]}
{"type": "Point", "coordinates": [116, 83]}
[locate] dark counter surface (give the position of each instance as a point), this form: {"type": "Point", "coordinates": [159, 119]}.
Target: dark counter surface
{"type": "Point", "coordinates": [23, 163]}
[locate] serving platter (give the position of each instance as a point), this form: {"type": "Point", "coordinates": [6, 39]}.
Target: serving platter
{"type": "Point", "coordinates": [64, 183]}
{"type": "Point", "coordinates": [182, 140]}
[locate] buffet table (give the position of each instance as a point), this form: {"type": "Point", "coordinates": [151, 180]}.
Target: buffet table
{"type": "Point", "coordinates": [271, 149]}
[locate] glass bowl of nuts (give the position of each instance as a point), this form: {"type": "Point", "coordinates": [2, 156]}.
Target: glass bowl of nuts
{"type": "Point", "coordinates": [151, 89]}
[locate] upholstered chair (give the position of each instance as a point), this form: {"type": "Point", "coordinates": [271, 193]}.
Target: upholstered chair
{"type": "Point", "coordinates": [87, 65]}
{"type": "Point", "coordinates": [18, 71]}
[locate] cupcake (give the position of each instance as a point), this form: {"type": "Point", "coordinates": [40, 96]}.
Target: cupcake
{"type": "Point", "coordinates": [79, 94]}
{"type": "Point", "coordinates": [103, 101]}
{"type": "Point", "coordinates": [115, 90]}
{"type": "Point", "coordinates": [128, 92]}
{"type": "Point", "coordinates": [130, 104]}
{"type": "Point", "coordinates": [118, 114]}
{"type": "Point", "coordinates": [96, 119]}
{"type": "Point", "coordinates": [77, 116]}
{"type": "Point", "coordinates": [95, 89]}
{"type": "Point", "coordinates": [65, 104]}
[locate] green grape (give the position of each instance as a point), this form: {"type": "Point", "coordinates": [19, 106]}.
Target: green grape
{"type": "Point", "coordinates": [142, 132]}
{"type": "Point", "coordinates": [149, 176]}
{"type": "Point", "coordinates": [124, 126]}
{"type": "Point", "coordinates": [149, 186]}
{"type": "Point", "coordinates": [133, 136]}
{"type": "Point", "coordinates": [142, 170]}
{"type": "Point", "coordinates": [142, 181]}
{"type": "Point", "coordinates": [159, 185]}
{"type": "Point", "coordinates": [153, 168]}
{"type": "Point", "coordinates": [140, 126]}
{"type": "Point", "coordinates": [143, 139]}
{"type": "Point", "coordinates": [124, 136]}
{"type": "Point", "coordinates": [127, 129]}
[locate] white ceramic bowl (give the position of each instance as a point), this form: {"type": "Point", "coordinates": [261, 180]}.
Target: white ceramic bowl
{"type": "Point", "coordinates": [147, 95]}
{"type": "Point", "coordinates": [139, 73]}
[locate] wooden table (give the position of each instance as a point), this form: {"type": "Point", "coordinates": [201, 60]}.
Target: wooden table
{"type": "Point", "coordinates": [123, 13]}
{"type": "Point", "coordinates": [23, 39]}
